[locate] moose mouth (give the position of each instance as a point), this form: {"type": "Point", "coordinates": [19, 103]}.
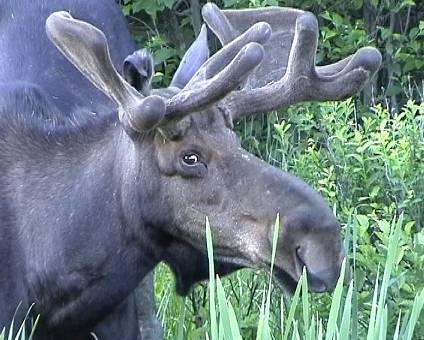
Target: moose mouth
{"type": "Point", "coordinates": [316, 283]}
{"type": "Point", "coordinates": [289, 284]}
{"type": "Point", "coordinates": [285, 281]}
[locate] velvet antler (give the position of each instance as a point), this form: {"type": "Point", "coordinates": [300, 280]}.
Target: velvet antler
{"type": "Point", "coordinates": [288, 74]}
{"type": "Point", "coordinates": [86, 47]}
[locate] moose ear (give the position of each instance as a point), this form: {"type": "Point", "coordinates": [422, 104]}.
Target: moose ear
{"type": "Point", "coordinates": [138, 70]}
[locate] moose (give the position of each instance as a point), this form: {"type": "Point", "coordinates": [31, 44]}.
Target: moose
{"type": "Point", "coordinates": [102, 176]}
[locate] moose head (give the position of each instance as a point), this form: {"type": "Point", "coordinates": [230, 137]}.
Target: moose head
{"type": "Point", "coordinates": [182, 161]}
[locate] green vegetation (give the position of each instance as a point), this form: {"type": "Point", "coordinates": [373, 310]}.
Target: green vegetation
{"type": "Point", "coordinates": [364, 155]}
{"type": "Point", "coordinates": [368, 164]}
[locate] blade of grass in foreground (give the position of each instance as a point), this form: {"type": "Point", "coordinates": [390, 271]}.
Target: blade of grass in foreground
{"type": "Point", "coordinates": [335, 304]}
{"type": "Point", "coordinates": [392, 251]}
{"type": "Point", "coordinates": [312, 330]}
{"type": "Point", "coordinates": [305, 302]}
{"type": "Point", "coordinates": [415, 314]}
{"type": "Point", "coordinates": [180, 334]}
{"type": "Point", "coordinates": [264, 331]}
{"type": "Point", "coordinates": [214, 326]}
{"type": "Point", "coordinates": [226, 314]}
{"type": "Point", "coordinates": [346, 318]}
{"type": "Point", "coordinates": [396, 335]}
{"type": "Point", "coordinates": [11, 326]}
{"type": "Point", "coordinates": [353, 228]}
{"type": "Point", "coordinates": [260, 330]}
{"type": "Point", "coordinates": [292, 310]}
{"type": "Point", "coordinates": [233, 322]}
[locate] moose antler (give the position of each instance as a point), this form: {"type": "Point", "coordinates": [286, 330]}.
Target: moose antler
{"type": "Point", "coordinates": [195, 56]}
{"type": "Point", "coordinates": [86, 47]}
{"type": "Point", "coordinates": [288, 74]}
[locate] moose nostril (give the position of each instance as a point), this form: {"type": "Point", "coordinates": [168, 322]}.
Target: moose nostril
{"type": "Point", "coordinates": [300, 263]}
{"type": "Point", "coordinates": [299, 256]}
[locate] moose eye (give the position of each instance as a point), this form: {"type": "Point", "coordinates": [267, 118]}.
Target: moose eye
{"type": "Point", "coordinates": [192, 165]}
{"type": "Point", "coordinates": [190, 159]}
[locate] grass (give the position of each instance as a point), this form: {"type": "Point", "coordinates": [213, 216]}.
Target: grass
{"type": "Point", "coordinates": [297, 322]}
{"type": "Point", "coordinates": [21, 332]}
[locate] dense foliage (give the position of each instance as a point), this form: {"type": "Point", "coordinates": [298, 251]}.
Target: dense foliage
{"type": "Point", "coordinates": [364, 155]}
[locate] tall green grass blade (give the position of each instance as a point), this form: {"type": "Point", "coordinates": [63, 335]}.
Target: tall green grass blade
{"type": "Point", "coordinates": [223, 310]}
{"type": "Point", "coordinates": [21, 330]}
{"type": "Point", "coordinates": [274, 244]}
{"type": "Point", "coordinates": [347, 312]}
{"type": "Point", "coordinates": [415, 314]}
{"type": "Point", "coordinates": [292, 310]}
{"type": "Point", "coordinates": [382, 330]}
{"type": "Point", "coordinates": [404, 324]}
{"type": "Point", "coordinates": [355, 319]}
{"type": "Point", "coordinates": [371, 323]}
{"type": "Point", "coordinates": [335, 305]}
{"type": "Point", "coordinates": [229, 324]}
{"type": "Point", "coordinates": [180, 334]}
{"type": "Point", "coordinates": [261, 321]}
{"type": "Point", "coordinates": [11, 327]}
{"type": "Point", "coordinates": [221, 330]}
{"type": "Point", "coordinates": [396, 334]}
{"type": "Point", "coordinates": [296, 331]}
{"type": "Point", "coordinates": [305, 302]}
{"type": "Point", "coordinates": [264, 331]}
{"type": "Point", "coordinates": [395, 230]}
{"type": "Point", "coordinates": [34, 326]}
{"type": "Point", "coordinates": [282, 313]}
{"type": "Point", "coordinates": [311, 334]}
{"type": "Point", "coordinates": [212, 309]}
{"type": "Point", "coordinates": [234, 323]}
{"type": "Point", "coordinates": [320, 331]}
{"type": "Point", "coordinates": [12, 324]}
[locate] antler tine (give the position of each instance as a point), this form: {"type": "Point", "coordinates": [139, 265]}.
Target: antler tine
{"type": "Point", "coordinates": [259, 33]}
{"type": "Point", "coordinates": [86, 47]}
{"type": "Point", "coordinates": [195, 56]}
{"type": "Point", "coordinates": [218, 22]}
{"type": "Point", "coordinates": [215, 88]}
{"type": "Point", "coordinates": [217, 77]}
{"type": "Point", "coordinates": [302, 81]}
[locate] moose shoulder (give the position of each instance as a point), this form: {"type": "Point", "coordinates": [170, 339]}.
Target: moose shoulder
{"type": "Point", "coordinates": [90, 205]}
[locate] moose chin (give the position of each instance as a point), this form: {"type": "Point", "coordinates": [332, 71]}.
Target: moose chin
{"type": "Point", "coordinates": [102, 176]}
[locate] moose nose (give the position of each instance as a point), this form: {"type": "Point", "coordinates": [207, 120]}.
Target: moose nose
{"type": "Point", "coordinates": [319, 279]}
{"type": "Point", "coordinates": [323, 280]}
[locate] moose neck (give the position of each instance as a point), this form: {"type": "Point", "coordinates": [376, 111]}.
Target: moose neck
{"type": "Point", "coordinates": [91, 219]}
